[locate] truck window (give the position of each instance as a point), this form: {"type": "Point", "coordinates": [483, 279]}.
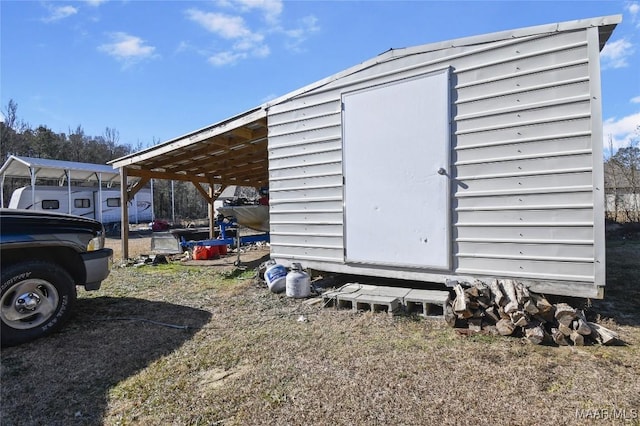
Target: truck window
{"type": "Point", "coordinates": [50, 204]}
{"type": "Point", "coordinates": [82, 203]}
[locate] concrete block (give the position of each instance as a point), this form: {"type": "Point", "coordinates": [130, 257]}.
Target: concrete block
{"type": "Point", "coordinates": [375, 303]}
{"type": "Point", "coordinates": [426, 303]}
{"type": "Point", "coordinates": [346, 300]}
{"type": "Point", "coordinates": [398, 292]}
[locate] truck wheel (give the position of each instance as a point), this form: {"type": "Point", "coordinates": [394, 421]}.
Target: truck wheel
{"type": "Point", "coordinates": [35, 299]}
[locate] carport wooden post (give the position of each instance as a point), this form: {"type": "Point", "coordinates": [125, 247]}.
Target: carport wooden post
{"type": "Point", "coordinates": [212, 210]}
{"type": "Point", "coordinates": [124, 208]}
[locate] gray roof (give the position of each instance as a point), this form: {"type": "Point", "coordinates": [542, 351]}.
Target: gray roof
{"type": "Point", "coordinates": [45, 168]}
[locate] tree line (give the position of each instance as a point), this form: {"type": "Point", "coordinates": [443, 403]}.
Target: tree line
{"type": "Point", "coordinates": [177, 200]}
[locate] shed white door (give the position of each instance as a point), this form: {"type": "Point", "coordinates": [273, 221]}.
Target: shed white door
{"type": "Point", "coordinates": [396, 140]}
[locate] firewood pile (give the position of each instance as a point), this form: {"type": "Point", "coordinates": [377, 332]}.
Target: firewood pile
{"type": "Point", "coordinates": [508, 308]}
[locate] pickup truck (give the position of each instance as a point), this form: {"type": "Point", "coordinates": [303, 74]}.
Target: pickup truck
{"type": "Point", "coordinates": [43, 257]}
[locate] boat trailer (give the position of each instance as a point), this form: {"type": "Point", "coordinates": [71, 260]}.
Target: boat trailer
{"type": "Point", "coordinates": [225, 237]}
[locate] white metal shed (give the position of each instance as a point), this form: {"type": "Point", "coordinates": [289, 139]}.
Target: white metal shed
{"type": "Point", "coordinates": [473, 158]}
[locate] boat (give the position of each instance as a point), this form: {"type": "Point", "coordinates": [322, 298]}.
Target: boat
{"type": "Point", "coordinates": [254, 216]}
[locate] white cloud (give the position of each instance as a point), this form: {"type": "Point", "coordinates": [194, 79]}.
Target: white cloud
{"type": "Point", "coordinates": [226, 58]}
{"type": "Point", "coordinates": [59, 12]}
{"type": "Point", "coordinates": [246, 44]}
{"type": "Point", "coordinates": [225, 26]}
{"type": "Point", "coordinates": [297, 36]}
{"type": "Point", "coordinates": [633, 8]}
{"type": "Point", "coordinates": [616, 53]}
{"type": "Point", "coordinates": [248, 41]}
{"type": "Point", "coordinates": [271, 9]}
{"type": "Point", "coordinates": [635, 100]}
{"type": "Point", "coordinates": [127, 48]}
{"type": "Point", "coordinates": [95, 3]}
{"type": "Point", "coordinates": [621, 131]}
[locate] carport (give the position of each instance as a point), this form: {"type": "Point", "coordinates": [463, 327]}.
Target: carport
{"type": "Point", "coordinates": [231, 152]}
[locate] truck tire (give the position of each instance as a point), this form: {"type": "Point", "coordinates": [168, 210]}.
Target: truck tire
{"type": "Point", "coordinates": [36, 298]}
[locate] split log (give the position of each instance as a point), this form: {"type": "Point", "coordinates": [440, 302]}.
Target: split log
{"type": "Point", "coordinates": [510, 291]}
{"type": "Point", "coordinates": [472, 292]}
{"type": "Point", "coordinates": [564, 329]}
{"type": "Point", "coordinates": [505, 327]}
{"type": "Point", "coordinates": [580, 324]}
{"type": "Point", "coordinates": [542, 303]}
{"type": "Point", "coordinates": [565, 314]}
{"type": "Point", "coordinates": [577, 338]}
{"type": "Point", "coordinates": [492, 315]}
{"type": "Point", "coordinates": [535, 334]}
{"type": "Point", "coordinates": [559, 337]}
{"type": "Point", "coordinates": [498, 297]}
{"type": "Point", "coordinates": [502, 313]}
{"type": "Point", "coordinates": [530, 307]}
{"type": "Point", "coordinates": [484, 294]}
{"type": "Point", "coordinates": [603, 335]}
{"type": "Point", "coordinates": [522, 293]}
{"type": "Point", "coordinates": [449, 315]}
{"type": "Point", "coordinates": [581, 327]}
{"type": "Point", "coordinates": [519, 319]}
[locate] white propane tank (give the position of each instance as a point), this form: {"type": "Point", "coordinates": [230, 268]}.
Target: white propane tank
{"type": "Point", "coordinates": [275, 276]}
{"type": "Point", "coordinates": [298, 283]}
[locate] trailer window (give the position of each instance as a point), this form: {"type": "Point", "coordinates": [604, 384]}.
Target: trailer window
{"type": "Point", "coordinates": [82, 203]}
{"type": "Point", "coordinates": [113, 202]}
{"type": "Point", "coordinates": [50, 204]}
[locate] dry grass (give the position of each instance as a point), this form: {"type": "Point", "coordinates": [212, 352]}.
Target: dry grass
{"type": "Point", "coordinates": [243, 358]}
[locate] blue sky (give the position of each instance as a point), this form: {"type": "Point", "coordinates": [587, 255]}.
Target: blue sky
{"type": "Point", "coordinates": [156, 70]}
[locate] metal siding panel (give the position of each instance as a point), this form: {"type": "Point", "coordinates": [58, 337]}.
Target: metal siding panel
{"type": "Point", "coordinates": [319, 146]}
{"type": "Point", "coordinates": [531, 269]}
{"type": "Point", "coordinates": [525, 114]}
{"type": "Point", "coordinates": [549, 251]}
{"type": "Point", "coordinates": [307, 206]}
{"type": "Point", "coordinates": [307, 160]}
{"type": "Point", "coordinates": [317, 241]}
{"type": "Point", "coordinates": [322, 169]}
{"type": "Point", "coordinates": [525, 232]}
{"type": "Point", "coordinates": [538, 148]}
{"type": "Point", "coordinates": [558, 199]}
{"type": "Point", "coordinates": [323, 229]}
{"type": "Point", "coordinates": [305, 110]}
{"type": "Point", "coordinates": [555, 216]}
{"type": "Point", "coordinates": [541, 131]}
{"type": "Point", "coordinates": [301, 182]}
{"type": "Point", "coordinates": [290, 137]}
{"type": "Point", "coordinates": [307, 217]}
{"type": "Point", "coordinates": [522, 183]}
{"type": "Point", "coordinates": [520, 166]}
{"type": "Point", "coordinates": [308, 252]}
{"type": "Point", "coordinates": [553, 75]}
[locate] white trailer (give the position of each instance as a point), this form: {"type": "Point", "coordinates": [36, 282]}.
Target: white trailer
{"type": "Point", "coordinates": [91, 202]}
